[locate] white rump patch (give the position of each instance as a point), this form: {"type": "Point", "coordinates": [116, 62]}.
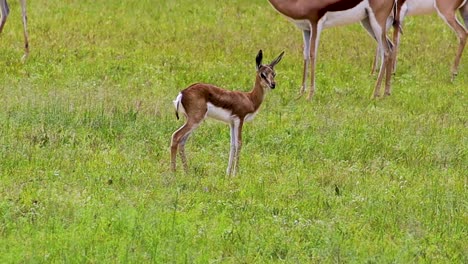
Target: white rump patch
{"type": "Point", "coordinates": [178, 104]}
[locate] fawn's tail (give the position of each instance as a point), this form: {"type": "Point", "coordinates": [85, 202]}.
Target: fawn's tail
{"type": "Point", "coordinates": [177, 102]}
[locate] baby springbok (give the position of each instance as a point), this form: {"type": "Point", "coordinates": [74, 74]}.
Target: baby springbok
{"type": "Point", "coordinates": [200, 100]}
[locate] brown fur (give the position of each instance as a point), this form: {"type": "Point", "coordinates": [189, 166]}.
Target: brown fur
{"type": "Point", "coordinates": [240, 103]}
{"type": "Point", "coordinates": [196, 97]}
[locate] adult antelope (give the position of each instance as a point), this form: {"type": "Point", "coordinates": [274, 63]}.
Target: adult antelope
{"type": "Point", "coordinates": [200, 100]}
{"type": "Point", "coordinates": [4, 11]}
{"type": "Point", "coordinates": [446, 9]}
{"type": "Point", "coordinates": [311, 16]}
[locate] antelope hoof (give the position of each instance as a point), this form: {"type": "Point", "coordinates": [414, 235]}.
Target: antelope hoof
{"type": "Point", "coordinates": [454, 75]}
{"type": "Point", "coordinates": [310, 95]}
{"type": "Point", "coordinates": [24, 58]}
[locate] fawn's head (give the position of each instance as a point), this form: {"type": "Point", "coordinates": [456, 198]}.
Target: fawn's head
{"type": "Point", "coordinates": [266, 73]}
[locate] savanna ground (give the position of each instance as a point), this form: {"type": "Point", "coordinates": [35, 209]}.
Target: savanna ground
{"type": "Point", "coordinates": [85, 126]}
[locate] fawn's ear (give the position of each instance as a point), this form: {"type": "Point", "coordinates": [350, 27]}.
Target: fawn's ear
{"type": "Point", "coordinates": [259, 59]}
{"type": "Point", "coordinates": [277, 60]}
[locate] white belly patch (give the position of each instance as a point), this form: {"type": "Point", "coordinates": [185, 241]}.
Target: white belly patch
{"type": "Point", "coordinates": [346, 17]}
{"type": "Point", "coordinates": [225, 115]}
{"type": "Point", "coordinates": [219, 113]}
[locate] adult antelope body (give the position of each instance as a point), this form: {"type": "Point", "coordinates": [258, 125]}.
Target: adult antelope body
{"type": "Point", "coordinates": [447, 10]}
{"type": "Point", "coordinates": [4, 11]}
{"type": "Point", "coordinates": [200, 100]}
{"type": "Point", "coordinates": [311, 16]}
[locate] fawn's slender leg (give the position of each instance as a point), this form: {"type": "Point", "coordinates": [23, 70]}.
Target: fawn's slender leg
{"type": "Point", "coordinates": [238, 146]}
{"type": "Point", "coordinates": [178, 142]}
{"type": "Point", "coordinates": [176, 137]}
{"type": "Point", "coordinates": [182, 151]}
{"type": "Point", "coordinates": [232, 151]}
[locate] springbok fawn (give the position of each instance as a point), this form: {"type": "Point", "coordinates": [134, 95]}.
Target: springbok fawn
{"type": "Point", "coordinates": [312, 16]}
{"type": "Point", "coordinates": [446, 9]}
{"type": "Point", "coordinates": [200, 100]}
{"type": "Point", "coordinates": [4, 11]}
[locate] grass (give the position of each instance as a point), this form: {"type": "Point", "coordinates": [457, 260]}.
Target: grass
{"type": "Point", "coordinates": [85, 126]}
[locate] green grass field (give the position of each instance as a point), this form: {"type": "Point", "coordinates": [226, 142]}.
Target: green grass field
{"type": "Point", "coordinates": [85, 127]}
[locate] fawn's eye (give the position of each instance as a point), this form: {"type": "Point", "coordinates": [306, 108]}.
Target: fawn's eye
{"type": "Point", "coordinates": [263, 75]}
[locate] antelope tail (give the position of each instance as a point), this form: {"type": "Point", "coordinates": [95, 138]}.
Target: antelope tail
{"type": "Point", "coordinates": [177, 103]}
{"type": "Point", "coordinates": [177, 110]}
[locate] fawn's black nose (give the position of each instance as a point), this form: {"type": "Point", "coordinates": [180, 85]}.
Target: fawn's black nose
{"type": "Point", "coordinates": [273, 85]}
